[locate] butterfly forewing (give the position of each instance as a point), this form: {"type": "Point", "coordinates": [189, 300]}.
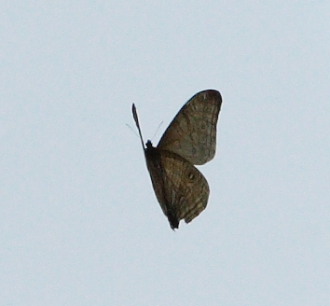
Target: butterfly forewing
{"type": "Point", "coordinates": [181, 189]}
{"type": "Point", "coordinates": [192, 133]}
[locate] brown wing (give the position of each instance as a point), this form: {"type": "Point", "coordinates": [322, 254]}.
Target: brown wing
{"type": "Point", "coordinates": [192, 133]}
{"type": "Point", "coordinates": [181, 189]}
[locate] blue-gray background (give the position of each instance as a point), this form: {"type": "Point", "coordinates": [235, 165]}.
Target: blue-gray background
{"type": "Point", "coordinates": [79, 221]}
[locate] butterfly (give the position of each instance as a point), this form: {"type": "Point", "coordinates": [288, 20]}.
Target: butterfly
{"type": "Point", "coordinates": [190, 139]}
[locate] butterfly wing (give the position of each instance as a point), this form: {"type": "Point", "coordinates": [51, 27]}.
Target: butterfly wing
{"type": "Point", "coordinates": [192, 133]}
{"type": "Point", "coordinates": [181, 189]}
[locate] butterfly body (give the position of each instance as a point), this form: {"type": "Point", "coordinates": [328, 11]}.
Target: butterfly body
{"type": "Point", "coordinates": [190, 139]}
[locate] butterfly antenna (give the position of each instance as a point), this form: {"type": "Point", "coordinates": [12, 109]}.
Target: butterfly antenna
{"type": "Point", "coordinates": [136, 119]}
{"type": "Point", "coordinates": [132, 130]}
{"type": "Point", "coordinates": [157, 130]}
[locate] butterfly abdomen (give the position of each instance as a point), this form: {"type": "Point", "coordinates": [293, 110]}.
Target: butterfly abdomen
{"type": "Point", "coordinates": [155, 164]}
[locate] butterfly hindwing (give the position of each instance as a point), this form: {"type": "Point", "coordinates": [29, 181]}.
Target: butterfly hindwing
{"type": "Point", "coordinates": [181, 189]}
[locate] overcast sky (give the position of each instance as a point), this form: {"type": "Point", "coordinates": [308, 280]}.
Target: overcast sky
{"type": "Point", "coordinates": [79, 221]}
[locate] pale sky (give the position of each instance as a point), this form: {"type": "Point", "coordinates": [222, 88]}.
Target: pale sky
{"type": "Point", "coordinates": [79, 221]}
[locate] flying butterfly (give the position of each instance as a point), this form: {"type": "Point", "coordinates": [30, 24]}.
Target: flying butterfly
{"type": "Point", "coordinates": [190, 139]}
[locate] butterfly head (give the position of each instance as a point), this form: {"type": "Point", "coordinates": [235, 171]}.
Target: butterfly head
{"type": "Point", "coordinates": [149, 144]}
